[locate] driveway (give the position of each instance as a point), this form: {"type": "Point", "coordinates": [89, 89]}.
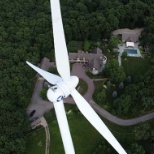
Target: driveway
{"type": "Point", "coordinates": [42, 106]}
{"type": "Point", "coordinates": [119, 121]}
{"type": "Point", "coordinates": [80, 72]}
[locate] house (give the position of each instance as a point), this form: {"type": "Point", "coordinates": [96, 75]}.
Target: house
{"type": "Point", "coordinates": [95, 66]}
{"type": "Point", "coordinates": [95, 60]}
{"type": "Point", "coordinates": [128, 36]}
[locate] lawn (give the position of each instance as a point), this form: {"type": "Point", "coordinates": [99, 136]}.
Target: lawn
{"type": "Point", "coordinates": [135, 66]}
{"type": "Point", "coordinates": [82, 87]}
{"type": "Point", "coordinates": [85, 137]}
{"type": "Point", "coordinates": [36, 142]}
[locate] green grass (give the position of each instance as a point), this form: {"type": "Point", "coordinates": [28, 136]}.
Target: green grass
{"type": "Point", "coordinates": [135, 66]}
{"type": "Point", "coordinates": [83, 87]}
{"type": "Point", "coordinates": [124, 134]}
{"type": "Point", "coordinates": [84, 136]}
{"type": "Point", "coordinates": [36, 142]}
{"type": "Point", "coordinates": [80, 136]}
{"type": "Point", "coordinates": [86, 139]}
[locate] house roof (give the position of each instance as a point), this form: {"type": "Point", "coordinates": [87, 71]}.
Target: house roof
{"type": "Point", "coordinates": [95, 58]}
{"type": "Point", "coordinates": [95, 63]}
{"type": "Point", "coordinates": [96, 51]}
{"type": "Point", "coordinates": [88, 56]}
{"type": "Point", "coordinates": [45, 62]}
{"type": "Point", "coordinates": [129, 35]}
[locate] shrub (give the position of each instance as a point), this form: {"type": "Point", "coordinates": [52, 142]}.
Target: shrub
{"type": "Point", "coordinates": [129, 79]}
{"type": "Point", "coordinates": [114, 94]}
{"type": "Point", "coordinates": [43, 94]}
{"type": "Point", "coordinates": [124, 55]}
{"type": "Point", "coordinates": [121, 85]}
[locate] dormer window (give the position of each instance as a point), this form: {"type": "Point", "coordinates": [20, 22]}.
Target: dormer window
{"type": "Point", "coordinates": [78, 59]}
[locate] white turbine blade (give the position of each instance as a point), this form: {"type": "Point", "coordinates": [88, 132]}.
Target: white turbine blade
{"type": "Point", "coordinates": [94, 119]}
{"type": "Point", "coordinates": [64, 128]}
{"type": "Point", "coordinates": [61, 54]}
{"type": "Point", "coordinates": [51, 78]}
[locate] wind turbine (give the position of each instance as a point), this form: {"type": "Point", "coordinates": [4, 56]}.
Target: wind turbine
{"type": "Point", "coordinates": [65, 86]}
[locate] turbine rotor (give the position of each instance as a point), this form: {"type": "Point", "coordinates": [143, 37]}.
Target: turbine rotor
{"type": "Point", "coordinates": [62, 89]}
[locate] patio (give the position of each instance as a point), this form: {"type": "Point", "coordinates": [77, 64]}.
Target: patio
{"type": "Point", "coordinates": [122, 47]}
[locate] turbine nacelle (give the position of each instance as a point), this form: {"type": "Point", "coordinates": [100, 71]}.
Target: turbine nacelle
{"type": "Point", "coordinates": [55, 94]}
{"type": "Point", "coordinates": [62, 89]}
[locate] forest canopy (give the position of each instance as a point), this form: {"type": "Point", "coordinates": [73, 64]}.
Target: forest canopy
{"type": "Point", "coordinates": [26, 34]}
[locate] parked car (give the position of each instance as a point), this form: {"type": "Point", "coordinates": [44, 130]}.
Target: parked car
{"type": "Point", "coordinates": [32, 113]}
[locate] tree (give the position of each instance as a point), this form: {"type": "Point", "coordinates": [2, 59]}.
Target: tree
{"type": "Point", "coordinates": [124, 55]}
{"type": "Point", "coordinates": [142, 132]}
{"type": "Point", "coordinates": [147, 102]}
{"type": "Point", "coordinates": [109, 84]}
{"type": "Point", "coordinates": [115, 72]}
{"type": "Point", "coordinates": [23, 37]}
{"type": "Point", "coordinates": [136, 149]}
{"type": "Point", "coordinates": [81, 7]}
{"type": "Point", "coordinates": [68, 33]}
{"type": "Point", "coordinates": [113, 42]}
{"type": "Point", "coordinates": [123, 105]}
{"type": "Point", "coordinates": [72, 46]}
{"type": "Point", "coordinates": [121, 85]}
{"type": "Point", "coordinates": [152, 135]}
{"type": "Point", "coordinates": [100, 97]}
{"type": "Point", "coordinates": [86, 45]}
{"type": "Point", "coordinates": [129, 79]}
{"type": "Point", "coordinates": [114, 94]}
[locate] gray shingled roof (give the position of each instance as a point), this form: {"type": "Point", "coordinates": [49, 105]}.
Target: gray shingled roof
{"type": "Point", "coordinates": [94, 63]}
{"type": "Point", "coordinates": [89, 56]}
{"type": "Point", "coordinates": [128, 34]}
{"type": "Point", "coordinates": [96, 51]}
{"type": "Point", "coordinates": [94, 58]}
{"type": "Point", "coordinates": [130, 37]}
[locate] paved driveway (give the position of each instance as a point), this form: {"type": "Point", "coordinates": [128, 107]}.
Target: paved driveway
{"type": "Point", "coordinates": [80, 72]}
{"type": "Point", "coordinates": [37, 103]}
{"type": "Point", "coordinates": [42, 106]}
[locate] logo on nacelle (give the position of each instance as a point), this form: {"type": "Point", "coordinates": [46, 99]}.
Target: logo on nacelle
{"type": "Point", "coordinates": [60, 98]}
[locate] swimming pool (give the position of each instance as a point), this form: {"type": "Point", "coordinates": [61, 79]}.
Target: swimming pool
{"type": "Point", "coordinates": [131, 51]}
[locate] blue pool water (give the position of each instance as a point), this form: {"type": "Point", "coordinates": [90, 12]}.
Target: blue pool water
{"type": "Point", "coordinates": [131, 51]}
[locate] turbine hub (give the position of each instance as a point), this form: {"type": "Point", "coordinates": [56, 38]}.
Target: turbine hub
{"type": "Point", "coordinates": [55, 94]}
{"type": "Point", "coordinates": [62, 89]}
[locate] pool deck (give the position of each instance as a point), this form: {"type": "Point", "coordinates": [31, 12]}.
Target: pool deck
{"type": "Point", "coordinates": [121, 50]}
